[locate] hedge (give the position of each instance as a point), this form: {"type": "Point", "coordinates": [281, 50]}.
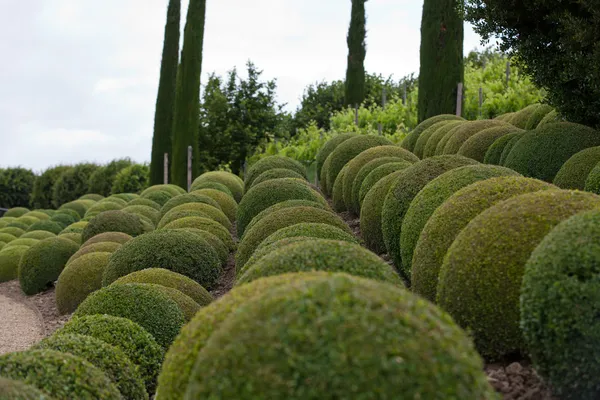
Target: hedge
{"type": "Point", "coordinates": [262, 251]}
{"type": "Point", "coordinates": [23, 242]}
{"type": "Point", "coordinates": [228, 205]}
{"type": "Point", "coordinates": [16, 212]}
{"type": "Point", "coordinates": [434, 139]}
{"type": "Point", "coordinates": [17, 390]}
{"type": "Point", "coordinates": [216, 186]}
{"type": "Point", "coordinates": [115, 237]}
{"type": "Point", "coordinates": [113, 221]}
{"type": "Point", "coordinates": [424, 137]}
{"type": "Point", "coordinates": [101, 180]}
{"type": "Point", "coordinates": [466, 131]}
{"type": "Point", "coordinates": [133, 179]}
{"type": "Point", "coordinates": [145, 202]}
{"type": "Point", "coordinates": [64, 219]}
{"type": "Point", "coordinates": [494, 152]}
{"type": "Point", "coordinates": [269, 163]}
{"type": "Point", "coordinates": [204, 224]}
{"type": "Point", "coordinates": [185, 303]}
{"type": "Point", "coordinates": [159, 197]}
{"type": "Point", "coordinates": [285, 204]}
{"type": "Point", "coordinates": [78, 206]}
{"type": "Point", "coordinates": [195, 210]}
{"type": "Point", "coordinates": [328, 148]}
{"type": "Point", "coordinates": [100, 247]}
{"type": "Point", "coordinates": [100, 207]}
{"type": "Point", "coordinates": [575, 171]}
{"type": "Point", "coordinates": [72, 184]}
{"type": "Point", "coordinates": [550, 118]}
{"type": "Point", "coordinates": [174, 190]}
{"type": "Point", "coordinates": [337, 193]}
{"type": "Point", "coordinates": [10, 257]}
{"type": "Point", "coordinates": [37, 214]}
{"type": "Point", "coordinates": [592, 183]}
{"type": "Point", "coordinates": [276, 173]}
{"type": "Point", "coordinates": [13, 231]}
{"type": "Point", "coordinates": [144, 211]}
{"type": "Point", "coordinates": [41, 193]}
{"type": "Point", "coordinates": [509, 146]}
{"type": "Point", "coordinates": [364, 173]}
{"type": "Point", "coordinates": [233, 182]}
{"type": "Point", "coordinates": [537, 116]}
{"type": "Point", "coordinates": [16, 185]}
{"type": "Point", "coordinates": [6, 237]}
{"type": "Point", "coordinates": [411, 140]}
{"type": "Point", "coordinates": [308, 229]}
{"type": "Point", "coordinates": [216, 243]}
{"type": "Point", "coordinates": [48, 226]}
{"type": "Point", "coordinates": [72, 236]}
{"type": "Point", "coordinates": [520, 118]}
{"type": "Point", "coordinates": [476, 146]}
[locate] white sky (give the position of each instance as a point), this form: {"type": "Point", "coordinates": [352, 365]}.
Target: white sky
{"type": "Point", "coordinates": [78, 78]}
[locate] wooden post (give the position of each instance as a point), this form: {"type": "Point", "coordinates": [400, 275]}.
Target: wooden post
{"type": "Point", "coordinates": [166, 169]}
{"type": "Point", "coordinates": [356, 114]}
{"type": "Point", "coordinates": [480, 101]}
{"type": "Point", "coordinates": [507, 72]}
{"type": "Point", "coordinates": [459, 96]}
{"type": "Point", "coordinates": [189, 168]}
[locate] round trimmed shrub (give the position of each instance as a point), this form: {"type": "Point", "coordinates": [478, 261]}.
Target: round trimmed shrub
{"type": "Point", "coordinates": [10, 257]}
{"type": "Point", "coordinates": [144, 305]}
{"type": "Point", "coordinates": [69, 212]}
{"type": "Point", "coordinates": [109, 359]}
{"type": "Point", "coordinates": [92, 196]}
{"type": "Point", "coordinates": [144, 211]}
{"type": "Point", "coordinates": [520, 118]}
{"type": "Point", "coordinates": [72, 184]}
{"type": "Point", "coordinates": [228, 204]}
{"type": "Point", "coordinates": [433, 195]}
{"type": "Point", "coordinates": [323, 184]}
{"type": "Point", "coordinates": [115, 237]}
{"type": "Point", "coordinates": [41, 194]}
{"type": "Point", "coordinates": [60, 375]}
{"type": "Point", "coordinates": [233, 182]}
{"type": "Point", "coordinates": [276, 173]}
{"type": "Point", "coordinates": [551, 118]}
{"type": "Point", "coordinates": [592, 183]}
{"type": "Point", "coordinates": [204, 224]}
{"type": "Point", "coordinates": [476, 146]}
{"type": "Point", "coordinates": [122, 198]}
{"type": "Point", "coordinates": [480, 280]}
{"type": "Point", "coordinates": [216, 186]}
{"type": "Point", "coordinates": [24, 222]}
{"type": "Point", "coordinates": [13, 231]}
{"type": "Point", "coordinates": [38, 235]}
{"type": "Point", "coordinates": [349, 149]}
{"type": "Point", "coordinates": [407, 185]}
{"type": "Point", "coordinates": [286, 204]}
{"type": "Point", "coordinates": [48, 226]}
{"type": "Point", "coordinates": [6, 237]}
{"type": "Point", "coordinates": [505, 117]}
{"type": "Point", "coordinates": [377, 174]}
{"type": "Point", "coordinates": [262, 251]}
{"type": "Point", "coordinates": [365, 171]}
{"type": "Point", "coordinates": [174, 190]}
{"type": "Point", "coordinates": [132, 179]}
{"type": "Point", "coordinates": [377, 316]}
{"type": "Point", "coordinates": [266, 194]}
{"type": "Point", "coordinates": [145, 202]}
{"type": "Point", "coordinates": [72, 236]}
{"type": "Point", "coordinates": [78, 206]}
{"type": "Point", "coordinates": [80, 277]}
{"type": "Point", "coordinates": [424, 137]}
{"type": "Point", "coordinates": [181, 252]}
{"type": "Point", "coordinates": [43, 262]}
{"type": "Point", "coordinates": [37, 214]}
{"type": "Point", "coordinates": [272, 162]}
{"type": "Point", "coordinates": [282, 219]}
{"type": "Point", "coordinates": [337, 193]}
{"type": "Point", "coordinates": [24, 242]}
{"type": "Point", "coordinates": [438, 136]}
{"type": "Point", "coordinates": [411, 140]}
{"type": "Point", "coordinates": [102, 207]}
{"type": "Point", "coordinates": [328, 148]}
{"type": "Point", "coordinates": [137, 344]}
{"type": "Point", "coordinates": [213, 240]}
{"type": "Point", "coordinates": [322, 255]}
{"type": "Point", "coordinates": [113, 221]}
{"type": "Point", "coordinates": [537, 116]}
{"type": "Point", "coordinates": [359, 161]}
{"type": "Point", "coordinates": [185, 303]}
{"type": "Point", "coordinates": [509, 146]}
{"type": "Point", "coordinates": [464, 132]}
{"type": "Point", "coordinates": [560, 303]}
{"type": "Point", "coordinates": [164, 277]}
{"type": "Point", "coordinates": [574, 172]}
{"type": "Point", "coordinates": [308, 229]}
{"type": "Point", "coordinates": [63, 219]}
{"type": "Point", "coordinates": [77, 227]}
{"type": "Point", "coordinates": [195, 210]}
{"type": "Point", "coordinates": [158, 196]}
{"type": "Point", "coordinates": [16, 390]}
{"type": "Point", "coordinates": [185, 199]}
{"type": "Point", "coordinates": [16, 212]}
{"type": "Point", "coordinates": [541, 153]}
{"type": "Point", "coordinates": [100, 247]}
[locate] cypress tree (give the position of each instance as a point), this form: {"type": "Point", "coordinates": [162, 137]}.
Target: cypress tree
{"type": "Point", "coordinates": [187, 104]}
{"type": "Point", "coordinates": [357, 50]}
{"type": "Point", "coordinates": [442, 33]}
{"type": "Point", "coordinates": [165, 100]}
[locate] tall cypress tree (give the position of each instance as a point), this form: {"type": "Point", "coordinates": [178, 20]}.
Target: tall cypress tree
{"type": "Point", "coordinates": [165, 100]}
{"type": "Point", "coordinates": [357, 50]}
{"type": "Point", "coordinates": [187, 104]}
{"type": "Point", "coordinates": [442, 33]}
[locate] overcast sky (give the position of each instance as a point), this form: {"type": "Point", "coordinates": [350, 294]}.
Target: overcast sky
{"type": "Point", "coordinates": [78, 78]}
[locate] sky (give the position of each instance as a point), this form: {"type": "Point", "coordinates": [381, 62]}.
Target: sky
{"type": "Point", "coordinates": [78, 78]}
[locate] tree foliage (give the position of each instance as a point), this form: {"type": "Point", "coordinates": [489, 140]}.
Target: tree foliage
{"type": "Point", "coordinates": [357, 51]}
{"type": "Point", "coordinates": [16, 185]}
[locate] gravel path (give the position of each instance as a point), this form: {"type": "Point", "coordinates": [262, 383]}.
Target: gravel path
{"type": "Point", "coordinates": [21, 326]}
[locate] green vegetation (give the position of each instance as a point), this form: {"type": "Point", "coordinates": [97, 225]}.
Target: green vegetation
{"type": "Point", "coordinates": [17, 390]}
{"type": "Point", "coordinates": [270, 163]}
{"type": "Point", "coordinates": [48, 226]}
{"type": "Point", "coordinates": [310, 230]}
{"type": "Point", "coordinates": [113, 221]}
{"type": "Point", "coordinates": [133, 179]}
{"type": "Point", "coordinates": [205, 224]}
{"type": "Point", "coordinates": [575, 171]}
{"type": "Point", "coordinates": [114, 237]}
{"type": "Point", "coordinates": [100, 247]}
{"type": "Point", "coordinates": [101, 180]}
{"type": "Point", "coordinates": [494, 153]}
{"type": "Point", "coordinates": [10, 258]}
{"type": "Point", "coordinates": [195, 210]}
{"type": "Point", "coordinates": [465, 131]}
{"type": "Point", "coordinates": [228, 204]}
{"type": "Point", "coordinates": [212, 239]}
{"type": "Point", "coordinates": [72, 184]}
{"type": "Point", "coordinates": [354, 93]}
{"type": "Point", "coordinates": [410, 141]}
{"type": "Point", "coordinates": [476, 147]}
{"type": "Point", "coordinates": [16, 185]}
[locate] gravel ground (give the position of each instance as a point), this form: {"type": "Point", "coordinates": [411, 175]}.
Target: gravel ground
{"type": "Point", "coordinates": [21, 324]}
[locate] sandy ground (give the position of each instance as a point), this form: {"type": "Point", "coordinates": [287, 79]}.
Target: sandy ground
{"type": "Point", "coordinates": [21, 325]}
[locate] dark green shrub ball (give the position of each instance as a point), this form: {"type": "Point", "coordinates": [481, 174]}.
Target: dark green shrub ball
{"type": "Point", "coordinates": [438, 136]}
{"type": "Point", "coordinates": [411, 140]}
{"type": "Point", "coordinates": [217, 244]}
{"type": "Point", "coordinates": [36, 214]}
{"type": "Point", "coordinates": [466, 131]}
{"type": "Point", "coordinates": [13, 231]}
{"type": "Point", "coordinates": [105, 205]}
{"type": "Point", "coordinates": [92, 196]}
{"type": "Point", "coordinates": [144, 211]}
{"type": "Point", "coordinates": [164, 277]}
{"type": "Point", "coordinates": [214, 185]}
{"type": "Point", "coordinates": [109, 359]}
{"type": "Point", "coordinates": [424, 137]}
{"type": "Point", "coordinates": [264, 250]}
{"type": "Point", "coordinates": [550, 118]}
{"type": "Point", "coordinates": [233, 182]}
{"type": "Point", "coordinates": [185, 303]}
{"type": "Point", "coordinates": [228, 205]}
{"type": "Point", "coordinates": [24, 225]}
{"type": "Point", "coordinates": [328, 148]}
{"type": "Point", "coordinates": [16, 212]}
{"type": "Point", "coordinates": [323, 184]}
{"type": "Point", "coordinates": [266, 194]}
{"type": "Point", "coordinates": [181, 252]}
{"type": "Point", "coordinates": [476, 146]}
{"type": "Point", "coordinates": [77, 227]}
{"type": "Point", "coordinates": [560, 304]}
{"type": "Point", "coordinates": [174, 190]}
{"type": "Point", "coordinates": [366, 170]}
{"type": "Point", "coordinates": [10, 258]}
{"type": "Point", "coordinates": [369, 317]}
{"type": "Point", "coordinates": [433, 195]}
{"type": "Point", "coordinates": [159, 197]}
{"type": "Point", "coordinates": [43, 262]}
{"type": "Point", "coordinates": [144, 202]}
{"type": "Point", "coordinates": [337, 193]}
{"type": "Point", "coordinates": [407, 185]}
{"type": "Point", "coordinates": [439, 149]}
{"type": "Point", "coordinates": [78, 206]}
{"type": "Point", "coordinates": [537, 116]}
{"type": "Point", "coordinates": [100, 247]}
{"type": "Point", "coordinates": [574, 172]}
{"type": "Point", "coordinates": [269, 163]}
{"type": "Point", "coordinates": [322, 255]}
{"type": "Point", "coordinates": [63, 219]}
{"type": "Point", "coordinates": [481, 277]}
{"type": "Point", "coordinates": [6, 237]}
{"type": "Point", "coordinates": [59, 375]}
{"type": "Point", "coordinates": [72, 236]}
{"type": "Point", "coordinates": [150, 308]}
{"type": "Point", "coordinates": [276, 173]}
{"type": "Point", "coordinates": [494, 152]}
{"type": "Point", "coordinates": [188, 198]}
{"type": "Point", "coordinates": [204, 224]}
{"type": "Point", "coordinates": [121, 198]}
{"type": "Point", "coordinates": [69, 212]}
{"type": "Point", "coordinates": [592, 183]}
{"type": "Point", "coordinates": [195, 210]}
{"type": "Point", "coordinates": [78, 279]}
{"type": "Point", "coordinates": [309, 229]}
{"type": "Point", "coordinates": [451, 217]}
{"type": "Point", "coordinates": [137, 344]}
{"type": "Point", "coordinates": [114, 237]}
{"type": "Point", "coordinates": [377, 174]}
{"type": "Point", "coordinates": [113, 221]}
{"type": "Point", "coordinates": [509, 146]}
{"type": "Point", "coordinates": [17, 390]}
{"type": "Point", "coordinates": [23, 242]}
{"type": "Point", "coordinates": [281, 219]}
{"type": "Point", "coordinates": [48, 226]}
{"type": "Point", "coordinates": [286, 204]}
{"type": "Point", "coordinates": [38, 235]}
{"type": "Point", "coordinates": [542, 152]}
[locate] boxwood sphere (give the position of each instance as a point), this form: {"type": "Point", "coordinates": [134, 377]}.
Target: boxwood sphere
{"type": "Point", "coordinates": [10, 258]}
{"type": "Point", "coordinates": [114, 237]}
{"type": "Point", "coordinates": [438, 136]}
{"type": "Point", "coordinates": [366, 170]}
{"type": "Point", "coordinates": [92, 196]}
{"type": "Point", "coordinates": [411, 140]}
{"type": "Point", "coordinates": [433, 195]}
{"type": "Point", "coordinates": [77, 227]}
{"type": "Point", "coordinates": [159, 197]}
{"type": "Point", "coordinates": [6, 237]}
{"type": "Point", "coordinates": [377, 174]}
{"type": "Point", "coordinates": [574, 172]}
{"type": "Point", "coordinates": [476, 146]}
{"type": "Point", "coordinates": [328, 148]}
{"type": "Point", "coordinates": [322, 255]}
{"type": "Point", "coordinates": [102, 207]}
{"type": "Point", "coordinates": [78, 206]}
{"type": "Point", "coordinates": [78, 279]}
{"type": "Point", "coordinates": [214, 185]}
{"type": "Point", "coordinates": [520, 118]}
{"type": "Point", "coordinates": [72, 236]}
{"type": "Point", "coordinates": [465, 131]}
{"type": "Point", "coordinates": [204, 224]}
{"type": "Point", "coordinates": [69, 212]}
{"type": "Point", "coordinates": [269, 163]}
{"type": "Point", "coordinates": [264, 250]}
{"type": "Point", "coordinates": [560, 303]}
{"type": "Point", "coordinates": [233, 182]}
{"type": "Point", "coordinates": [63, 219]}
{"type": "Point", "coordinates": [481, 277]}
{"type": "Point", "coordinates": [542, 152]}
{"type": "Point", "coordinates": [17, 390]}
{"type": "Point", "coordinates": [509, 146]}
{"type": "Point", "coordinates": [217, 244]}
{"type": "Point", "coordinates": [109, 359]}
{"type": "Point", "coordinates": [424, 137]}
{"type": "Point", "coordinates": [174, 190]}
{"type": "Point", "coordinates": [48, 226]}
{"type": "Point", "coordinates": [286, 204]}
{"type": "Point", "coordinates": [537, 116]}
{"type": "Point", "coordinates": [308, 229]}
{"type": "Point", "coordinates": [13, 231]}
{"type": "Point", "coordinates": [266, 194]}
{"type": "Point", "coordinates": [337, 193]}
{"type": "Point", "coordinates": [494, 152]}
{"type": "Point", "coordinates": [407, 185]}
{"type": "Point", "coordinates": [164, 277]}
{"type": "Point", "coordinates": [16, 212]}
{"type": "Point", "coordinates": [188, 198]}
{"type": "Point", "coordinates": [150, 308]}
{"type": "Point", "coordinates": [181, 252]}
{"type": "Point", "coordinates": [195, 210]}
{"type": "Point", "coordinates": [185, 303]}
{"type": "Point", "coordinates": [276, 173]}
{"type": "Point", "coordinates": [37, 214]}
{"type": "Point", "coordinates": [59, 375]}
{"type": "Point", "coordinates": [439, 149]}
{"type": "Point", "coordinates": [144, 202]}
{"type": "Point", "coordinates": [552, 117]}
{"type": "Point", "coordinates": [592, 182]}
{"type": "Point", "coordinates": [101, 247]}
{"type": "Point", "coordinates": [145, 211]}
{"type": "Point", "coordinates": [451, 217]}
{"type": "Point", "coordinates": [23, 242]}
{"type": "Point", "coordinates": [113, 221]}
{"type": "Point", "coordinates": [43, 262]}
{"type": "Point", "coordinates": [369, 317]}
{"type": "Point", "coordinates": [228, 205]}
{"type": "Point", "coordinates": [349, 149]}
{"type": "Point", "coordinates": [38, 235]}
{"type": "Point", "coordinates": [281, 219]}
{"type": "Point", "coordinates": [24, 222]}
{"type": "Point", "coordinates": [136, 342]}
